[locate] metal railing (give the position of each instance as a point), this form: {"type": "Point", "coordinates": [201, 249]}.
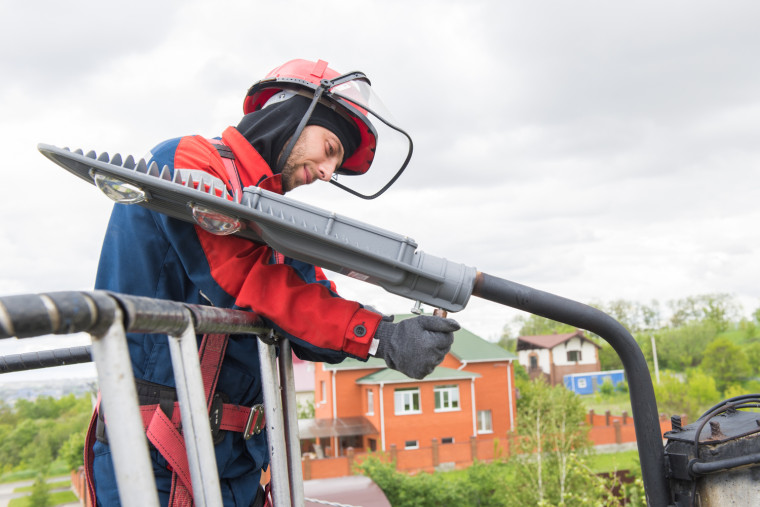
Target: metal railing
{"type": "Point", "coordinates": [107, 317]}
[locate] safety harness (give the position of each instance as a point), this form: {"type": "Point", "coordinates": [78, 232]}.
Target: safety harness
{"type": "Point", "coordinates": [159, 407]}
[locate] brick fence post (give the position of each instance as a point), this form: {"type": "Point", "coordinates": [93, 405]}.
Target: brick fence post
{"type": "Point", "coordinates": [474, 448]}
{"type": "Point", "coordinates": [350, 460]}
{"type": "Point", "coordinates": [394, 456]}
{"type": "Point", "coordinates": [625, 417]}
{"type": "Point", "coordinates": [618, 432]}
{"type": "Point", "coordinates": [591, 417]}
{"type": "Point", "coordinates": [435, 452]}
{"type": "Point", "coordinates": [607, 418]}
{"type": "Point", "coordinates": [307, 467]}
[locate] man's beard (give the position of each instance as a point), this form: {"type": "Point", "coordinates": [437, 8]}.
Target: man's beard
{"type": "Point", "coordinates": [291, 166]}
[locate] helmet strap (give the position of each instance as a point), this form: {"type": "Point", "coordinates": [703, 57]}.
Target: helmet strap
{"type": "Point", "coordinates": [301, 125]}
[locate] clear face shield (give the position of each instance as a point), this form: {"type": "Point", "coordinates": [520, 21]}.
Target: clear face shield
{"type": "Point", "coordinates": [383, 144]}
{"type": "Point", "coordinates": [393, 149]}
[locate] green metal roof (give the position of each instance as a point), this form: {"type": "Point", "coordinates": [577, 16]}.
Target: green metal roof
{"type": "Point", "coordinates": [467, 347]}
{"type": "Point", "coordinates": [355, 364]}
{"type": "Point", "coordinates": [388, 376]}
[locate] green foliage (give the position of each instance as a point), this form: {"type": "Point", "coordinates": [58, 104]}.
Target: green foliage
{"type": "Point", "coordinates": [40, 496]}
{"type": "Point", "coordinates": [726, 362]}
{"type": "Point", "coordinates": [717, 309]}
{"type": "Point", "coordinates": [552, 434]}
{"type": "Point", "coordinates": [680, 348]}
{"type": "Point", "coordinates": [634, 316]}
{"type": "Point", "coordinates": [608, 358]}
{"type": "Point", "coordinates": [56, 426]}
{"type": "Point", "coordinates": [535, 325]}
{"type": "Point", "coordinates": [72, 451]}
{"type": "Point", "coordinates": [607, 389]}
{"type": "Point", "coordinates": [753, 355]}
{"type": "Point", "coordinates": [55, 498]}
{"type": "Point", "coordinates": [691, 395]}
{"type": "Point", "coordinates": [305, 409]}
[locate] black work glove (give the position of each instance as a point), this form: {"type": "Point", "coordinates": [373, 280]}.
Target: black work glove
{"type": "Point", "coordinates": [415, 346]}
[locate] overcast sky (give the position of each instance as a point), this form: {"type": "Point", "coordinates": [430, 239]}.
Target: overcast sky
{"type": "Point", "coordinates": [591, 149]}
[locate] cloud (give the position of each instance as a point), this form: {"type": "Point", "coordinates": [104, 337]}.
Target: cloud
{"type": "Point", "coordinates": [595, 150]}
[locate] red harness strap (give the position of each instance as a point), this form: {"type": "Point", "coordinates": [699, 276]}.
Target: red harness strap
{"type": "Point", "coordinates": [164, 433]}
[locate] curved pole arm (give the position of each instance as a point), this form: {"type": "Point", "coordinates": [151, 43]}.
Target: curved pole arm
{"type": "Point", "coordinates": [643, 402]}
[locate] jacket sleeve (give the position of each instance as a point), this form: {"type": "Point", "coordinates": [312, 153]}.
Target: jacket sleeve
{"type": "Point", "coordinates": [305, 309]}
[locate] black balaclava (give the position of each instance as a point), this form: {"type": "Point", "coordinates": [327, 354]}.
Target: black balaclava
{"type": "Point", "coordinates": [270, 128]}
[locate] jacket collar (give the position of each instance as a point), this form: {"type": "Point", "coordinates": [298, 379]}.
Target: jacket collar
{"type": "Point", "coordinates": [253, 170]}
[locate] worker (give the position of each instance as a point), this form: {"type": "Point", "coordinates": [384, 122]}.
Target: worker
{"type": "Point", "coordinates": [303, 123]}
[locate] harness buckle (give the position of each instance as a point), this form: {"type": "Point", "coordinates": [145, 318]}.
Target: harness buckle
{"type": "Point", "coordinates": [255, 421]}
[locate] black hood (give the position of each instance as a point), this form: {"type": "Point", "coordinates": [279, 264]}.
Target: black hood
{"type": "Point", "coordinates": [269, 129]}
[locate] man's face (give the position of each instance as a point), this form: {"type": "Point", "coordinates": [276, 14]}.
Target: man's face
{"type": "Point", "coordinates": [316, 155]}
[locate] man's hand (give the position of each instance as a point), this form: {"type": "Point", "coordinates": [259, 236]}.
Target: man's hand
{"type": "Point", "coordinates": [415, 346]}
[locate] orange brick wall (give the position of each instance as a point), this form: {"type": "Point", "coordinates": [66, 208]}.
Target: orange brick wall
{"type": "Point", "coordinates": [429, 423]}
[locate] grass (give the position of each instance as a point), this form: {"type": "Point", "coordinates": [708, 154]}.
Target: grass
{"type": "Point", "coordinates": [57, 498]}
{"type": "Point", "coordinates": [626, 460]}
{"type": "Point", "coordinates": [53, 485]}
{"type": "Point", "coordinates": [616, 403]}
{"type": "Point", "coordinates": [57, 468]}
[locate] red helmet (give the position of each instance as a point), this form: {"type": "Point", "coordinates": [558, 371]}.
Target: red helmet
{"type": "Point", "coordinates": [350, 95]}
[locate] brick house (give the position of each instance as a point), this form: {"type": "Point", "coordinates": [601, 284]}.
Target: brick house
{"type": "Point", "coordinates": [367, 406]}
{"type": "Point", "coordinates": [557, 355]}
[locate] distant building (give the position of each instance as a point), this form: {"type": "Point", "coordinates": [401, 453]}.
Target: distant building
{"type": "Point", "coordinates": [555, 355]}
{"type": "Point", "coordinates": [367, 406]}
{"type": "Point", "coordinates": [589, 383]}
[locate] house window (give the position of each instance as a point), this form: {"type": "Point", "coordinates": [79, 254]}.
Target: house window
{"type": "Point", "coordinates": [372, 444]}
{"type": "Point", "coordinates": [484, 421]}
{"type": "Point", "coordinates": [447, 440]}
{"type": "Point", "coordinates": [533, 362]}
{"type": "Point", "coordinates": [370, 402]}
{"type": "Point", "coordinates": [582, 383]}
{"type": "Point", "coordinates": [446, 398]}
{"type": "Point", "coordinates": [411, 444]}
{"type": "Point", "coordinates": [407, 401]}
{"type": "Point", "coordinates": [573, 355]}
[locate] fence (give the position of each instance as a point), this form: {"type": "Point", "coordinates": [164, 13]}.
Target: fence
{"type": "Point", "coordinates": [604, 430]}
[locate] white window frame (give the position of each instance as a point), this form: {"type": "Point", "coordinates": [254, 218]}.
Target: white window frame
{"type": "Point", "coordinates": [404, 401]}
{"type": "Point", "coordinates": [447, 398]}
{"type": "Point", "coordinates": [370, 402]}
{"type": "Point", "coordinates": [411, 444]}
{"type": "Point", "coordinates": [485, 425]}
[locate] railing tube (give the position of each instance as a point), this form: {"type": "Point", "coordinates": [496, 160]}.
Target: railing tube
{"type": "Point", "coordinates": [195, 421]}
{"type": "Point", "coordinates": [290, 416]}
{"type": "Point", "coordinates": [129, 446]}
{"type": "Point", "coordinates": [274, 422]}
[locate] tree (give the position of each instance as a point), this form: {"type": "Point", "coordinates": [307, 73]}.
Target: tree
{"type": "Point", "coordinates": [608, 358]}
{"type": "Point", "coordinates": [533, 325]}
{"type": "Point", "coordinates": [726, 362]}
{"type": "Point", "coordinates": [551, 431]}
{"type": "Point", "coordinates": [690, 396]}
{"type": "Point", "coordinates": [718, 309]}
{"type": "Point", "coordinates": [680, 348]}
{"type": "Point", "coordinates": [634, 316]}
